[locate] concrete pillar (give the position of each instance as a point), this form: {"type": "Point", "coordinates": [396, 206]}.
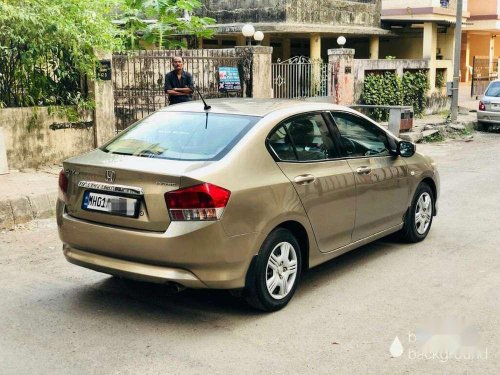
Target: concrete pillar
{"type": "Point", "coordinates": [287, 48]}
{"type": "Point", "coordinates": [341, 87]}
{"type": "Point", "coordinates": [267, 40]}
{"type": "Point", "coordinates": [468, 63]}
{"type": "Point", "coordinates": [240, 40]}
{"type": "Point", "coordinates": [430, 41]}
{"type": "Point", "coordinates": [491, 51]}
{"type": "Point", "coordinates": [430, 50]}
{"type": "Point", "coordinates": [315, 47]}
{"type": "Point", "coordinates": [101, 91]}
{"type": "Point", "coordinates": [374, 47]}
{"type": "Point", "coordinates": [257, 64]}
{"type": "Point", "coordinates": [4, 167]}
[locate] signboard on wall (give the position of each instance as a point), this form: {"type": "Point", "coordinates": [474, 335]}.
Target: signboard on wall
{"type": "Point", "coordinates": [229, 79]}
{"type": "Point", "coordinates": [104, 70]}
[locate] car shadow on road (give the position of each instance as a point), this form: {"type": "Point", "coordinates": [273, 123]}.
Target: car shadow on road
{"type": "Point", "coordinates": [119, 296]}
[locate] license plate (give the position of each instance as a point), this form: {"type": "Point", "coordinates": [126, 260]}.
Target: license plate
{"type": "Point", "coordinates": [110, 204]}
{"type": "Point", "coordinates": [495, 106]}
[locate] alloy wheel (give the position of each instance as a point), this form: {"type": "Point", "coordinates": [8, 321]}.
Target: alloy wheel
{"type": "Point", "coordinates": [281, 271]}
{"type": "Point", "coordinates": [423, 213]}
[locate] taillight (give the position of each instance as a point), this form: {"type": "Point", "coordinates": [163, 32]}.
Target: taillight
{"type": "Point", "coordinates": [482, 107]}
{"type": "Point", "coordinates": [63, 182]}
{"type": "Point", "coordinates": [202, 202]}
{"type": "Point", "coordinates": [63, 185]}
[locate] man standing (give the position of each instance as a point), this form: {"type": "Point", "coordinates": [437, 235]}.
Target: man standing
{"type": "Point", "coordinates": [178, 83]}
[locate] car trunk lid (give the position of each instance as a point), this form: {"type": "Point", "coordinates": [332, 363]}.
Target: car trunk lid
{"type": "Point", "coordinates": [137, 184]}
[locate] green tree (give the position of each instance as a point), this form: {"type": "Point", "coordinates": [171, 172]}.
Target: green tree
{"type": "Point", "coordinates": [47, 45]}
{"type": "Point", "coordinates": [168, 20]}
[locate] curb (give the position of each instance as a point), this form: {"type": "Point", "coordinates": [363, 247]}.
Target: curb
{"type": "Point", "coordinates": [24, 209]}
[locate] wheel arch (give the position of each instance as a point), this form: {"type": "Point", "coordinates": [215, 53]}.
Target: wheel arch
{"type": "Point", "coordinates": [429, 181]}
{"type": "Point", "coordinates": [300, 233]}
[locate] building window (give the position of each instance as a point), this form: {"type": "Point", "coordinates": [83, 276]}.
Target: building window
{"type": "Point", "coordinates": [445, 3]}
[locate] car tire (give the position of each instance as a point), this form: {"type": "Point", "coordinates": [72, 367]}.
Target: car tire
{"type": "Point", "coordinates": [482, 126]}
{"type": "Point", "coordinates": [418, 219]}
{"type": "Point", "coordinates": [276, 272]}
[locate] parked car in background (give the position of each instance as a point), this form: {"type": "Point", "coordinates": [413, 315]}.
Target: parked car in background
{"type": "Point", "coordinates": [489, 106]}
{"type": "Point", "coordinates": [243, 196]}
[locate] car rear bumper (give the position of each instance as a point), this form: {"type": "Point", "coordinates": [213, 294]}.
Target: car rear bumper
{"type": "Point", "coordinates": [193, 254]}
{"type": "Point", "coordinates": [488, 116]}
{"type": "Point", "coordinates": [131, 270]}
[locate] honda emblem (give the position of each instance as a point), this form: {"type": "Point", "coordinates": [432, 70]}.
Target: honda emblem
{"type": "Point", "coordinates": [110, 176]}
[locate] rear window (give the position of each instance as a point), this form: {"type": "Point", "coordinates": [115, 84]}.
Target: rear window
{"type": "Point", "coordinates": [493, 89]}
{"type": "Point", "coordinates": [183, 136]}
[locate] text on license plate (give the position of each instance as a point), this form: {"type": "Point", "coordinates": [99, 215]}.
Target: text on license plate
{"type": "Point", "coordinates": [109, 203]}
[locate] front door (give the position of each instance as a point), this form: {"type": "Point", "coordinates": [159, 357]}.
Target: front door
{"type": "Point", "coordinates": [325, 184]}
{"type": "Point", "coordinates": [382, 186]}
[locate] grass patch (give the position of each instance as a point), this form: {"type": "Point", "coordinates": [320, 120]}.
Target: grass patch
{"type": "Point", "coordinates": [436, 137]}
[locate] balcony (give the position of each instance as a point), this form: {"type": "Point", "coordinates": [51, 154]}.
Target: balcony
{"type": "Point", "coordinates": [412, 4]}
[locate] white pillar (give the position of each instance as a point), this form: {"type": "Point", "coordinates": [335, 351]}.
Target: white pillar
{"type": "Point", "coordinates": [429, 51]}
{"type": "Point", "coordinates": [104, 115]}
{"type": "Point", "coordinates": [374, 47]}
{"type": "Point", "coordinates": [260, 74]}
{"type": "Point", "coordinates": [315, 47]}
{"type": "Point", "coordinates": [491, 50]}
{"type": "Point", "coordinates": [287, 47]}
{"type": "Point", "coordinates": [467, 57]}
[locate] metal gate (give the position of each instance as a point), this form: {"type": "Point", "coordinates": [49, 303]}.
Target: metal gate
{"type": "Point", "coordinates": [484, 71]}
{"type": "Point", "coordinates": [138, 79]}
{"type": "Point", "coordinates": [300, 77]}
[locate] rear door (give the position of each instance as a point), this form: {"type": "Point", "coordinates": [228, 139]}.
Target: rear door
{"type": "Point", "coordinates": [382, 186]}
{"type": "Point", "coordinates": [306, 153]}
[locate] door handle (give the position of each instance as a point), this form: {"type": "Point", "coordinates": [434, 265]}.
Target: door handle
{"type": "Point", "coordinates": [363, 170]}
{"type": "Point", "coordinates": [304, 179]}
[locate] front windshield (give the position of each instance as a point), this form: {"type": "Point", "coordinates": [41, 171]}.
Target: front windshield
{"type": "Point", "coordinates": [182, 136]}
{"type": "Point", "coordinates": [493, 90]}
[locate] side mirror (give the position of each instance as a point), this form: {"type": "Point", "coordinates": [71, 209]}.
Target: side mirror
{"type": "Point", "coordinates": [406, 149]}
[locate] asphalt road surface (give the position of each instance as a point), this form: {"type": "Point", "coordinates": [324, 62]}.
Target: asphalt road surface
{"type": "Point", "coordinates": [440, 298]}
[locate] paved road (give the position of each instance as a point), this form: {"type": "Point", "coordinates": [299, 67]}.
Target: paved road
{"type": "Point", "coordinates": [56, 318]}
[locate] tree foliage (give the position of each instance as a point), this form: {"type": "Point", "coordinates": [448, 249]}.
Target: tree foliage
{"type": "Point", "coordinates": [47, 45]}
{"type": "Point", "coordinates": [159, 22]}
{"type": "Point", "coordinates": [390, 89]}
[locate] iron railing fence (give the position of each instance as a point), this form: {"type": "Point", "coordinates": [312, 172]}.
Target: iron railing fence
{"type": "Point", "coordinates": [46, 79]}
{"type": "Point", "coordinates": [484, 71]}
{"type": "Point", "coordinates": [300, 77]}
{"type": "Point", "coordinates": [138, 79]}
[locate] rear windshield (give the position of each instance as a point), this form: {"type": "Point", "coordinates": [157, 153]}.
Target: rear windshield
{"type": "Point", "coordinates": [182, 136]}
{"type": "Point", "coordinates": [493, 89]}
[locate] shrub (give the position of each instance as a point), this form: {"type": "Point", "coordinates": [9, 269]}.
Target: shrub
{"type": "Point", "coordinates": [390, 89]}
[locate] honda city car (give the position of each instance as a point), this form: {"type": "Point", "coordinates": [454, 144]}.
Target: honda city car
{"type": "Point", "coordinates": [245, 195]}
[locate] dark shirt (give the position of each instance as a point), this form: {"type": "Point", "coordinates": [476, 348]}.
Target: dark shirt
{"type": "Point", "coordinates": [171, 82]}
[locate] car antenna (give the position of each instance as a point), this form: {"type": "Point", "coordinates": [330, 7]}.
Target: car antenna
{"type": "Point", "coordinates": [207, 107]}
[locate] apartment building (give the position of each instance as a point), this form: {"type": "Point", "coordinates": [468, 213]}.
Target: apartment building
{"type": "Point", "coordinates": [481, 36]}
{"type": "Point", "coordinates": [299, 27]}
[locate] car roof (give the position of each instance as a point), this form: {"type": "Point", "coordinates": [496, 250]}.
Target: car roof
{"type": "Point", "coordinates": [252, 106]}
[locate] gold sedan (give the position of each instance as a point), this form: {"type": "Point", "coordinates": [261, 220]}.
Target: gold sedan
{"type": "Point", "coordinates": [244, 196]}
